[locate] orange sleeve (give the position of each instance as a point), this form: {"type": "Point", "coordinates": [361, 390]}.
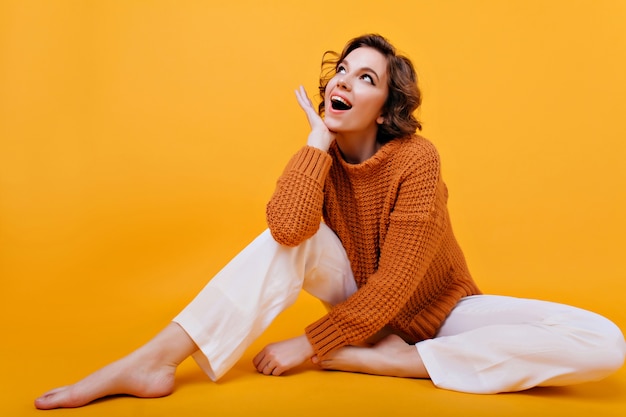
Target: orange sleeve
{"type": "Point", "coordinates": [295, 210]}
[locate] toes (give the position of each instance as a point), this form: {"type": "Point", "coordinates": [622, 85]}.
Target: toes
{"type": "Point", "coordinates": [47, 401]}
{"type": "Point", "coordinates": [57, 398]}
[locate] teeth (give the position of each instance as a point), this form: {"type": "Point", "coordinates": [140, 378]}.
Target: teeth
{"type": "Point", "coordinates": [339, 103]}
{"type": "Point", "coordinates": [340, 100]}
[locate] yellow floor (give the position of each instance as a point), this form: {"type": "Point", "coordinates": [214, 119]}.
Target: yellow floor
{"type": "Point", "coordinates": [40, 353]}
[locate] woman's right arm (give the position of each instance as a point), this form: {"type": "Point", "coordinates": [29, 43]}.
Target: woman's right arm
{"type": "Point", "coordinates": [295, 210]}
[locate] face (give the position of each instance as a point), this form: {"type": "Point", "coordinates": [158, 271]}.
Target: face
{"type": "Point", "coordinates": [355, 96]}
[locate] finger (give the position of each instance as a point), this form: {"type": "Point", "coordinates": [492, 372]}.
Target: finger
{"type": "Point", "coordinates": [305, 103]}
{"type": "Point", "coordinates": [303, 100]}
{"type": "Point", "coordinates": [267, 369]}
{"type": "Point", "coordinates": [305, 96]}
{"type": "Point", "coordinates": [258, 358]}
{"type": "Point", "coordinates": [263, 363]}
{"type": "Point", "coordinates": [312, 117]}
{"type": "Point", "coordinates": [262, 366]}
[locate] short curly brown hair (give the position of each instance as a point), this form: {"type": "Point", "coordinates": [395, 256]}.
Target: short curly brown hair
{"type": "Point", "coordinates": [404, 94]}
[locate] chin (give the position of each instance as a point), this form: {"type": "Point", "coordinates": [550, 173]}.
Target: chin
{"type": "Point", "coordinates": [332, 125]}
{"type": "Point", "coordinates": [334, 122]}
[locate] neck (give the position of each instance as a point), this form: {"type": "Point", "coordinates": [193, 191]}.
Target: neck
{"type": "Point", "coordinates": [356, 150]}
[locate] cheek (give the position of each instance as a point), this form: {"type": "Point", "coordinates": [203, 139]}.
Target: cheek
{"type": "Point", "coordinates": [381, 105]}
{"type": "Point", "coordinates": [377, 105]}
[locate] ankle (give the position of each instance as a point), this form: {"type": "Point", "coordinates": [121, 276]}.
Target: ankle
{"type": "Point", "coordinates": [170, 347]}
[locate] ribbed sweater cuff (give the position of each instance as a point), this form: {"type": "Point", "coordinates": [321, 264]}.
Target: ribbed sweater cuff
{"type": "Point", "coordinates": [312, 162]}
{"type": "Point", "coordinates": [324, 336]}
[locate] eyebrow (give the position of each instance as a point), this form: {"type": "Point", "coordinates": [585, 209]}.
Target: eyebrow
{"type": "Point", "coordinates": [367, 69]}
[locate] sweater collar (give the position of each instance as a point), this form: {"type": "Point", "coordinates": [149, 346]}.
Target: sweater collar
{"type": "Point", "coordinates": [375, 161]}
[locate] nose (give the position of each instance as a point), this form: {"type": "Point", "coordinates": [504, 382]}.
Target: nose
{"type": "Point", "coordinates": [342, 83]}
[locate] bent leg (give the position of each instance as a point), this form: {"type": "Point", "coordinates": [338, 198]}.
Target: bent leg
{"type": "Point", "coordinates": [391, 356]}
{"type": "Point", "coordinates": [493, 344]}
{"type": "Point", "coordinates": [241, 301]}
{"type": "Point", "coordinates": [232, 310]}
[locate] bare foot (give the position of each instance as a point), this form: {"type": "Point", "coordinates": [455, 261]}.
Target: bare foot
{"type": "Point", "coordinates": [121, 377]}
{"type": "Point", "coordinates": [392, 356]}
{"type": "Point", "coordinates": [148, 372]}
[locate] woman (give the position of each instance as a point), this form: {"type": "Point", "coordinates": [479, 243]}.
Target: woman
{"type": "Point", "coordinates": [385, 262]}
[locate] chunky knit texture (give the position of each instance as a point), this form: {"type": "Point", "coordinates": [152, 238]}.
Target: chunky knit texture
{"type": "Point", "coordinates": [391, 216]}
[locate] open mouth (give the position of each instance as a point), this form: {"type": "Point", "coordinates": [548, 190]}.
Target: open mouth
{"type": "Point", "coordinates": [339, 103]}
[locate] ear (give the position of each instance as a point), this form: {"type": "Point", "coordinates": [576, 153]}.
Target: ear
{"type": "Point", "coordinates": [380, 120]}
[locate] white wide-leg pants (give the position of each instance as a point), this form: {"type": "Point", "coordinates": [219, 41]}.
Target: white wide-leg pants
{"type": "Point", "coordinates": [241, 301]}
{"type": "Point", "coordinates": [491, 344]}
{"type": "Point", "coordinates": [488, 344]}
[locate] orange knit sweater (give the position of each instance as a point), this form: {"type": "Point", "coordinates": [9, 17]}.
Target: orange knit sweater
{"type": "Point", "coordinates": [390, 214]}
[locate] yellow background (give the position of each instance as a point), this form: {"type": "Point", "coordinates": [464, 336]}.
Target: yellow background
{"type": "Point", "coordinates": [140, 140]}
